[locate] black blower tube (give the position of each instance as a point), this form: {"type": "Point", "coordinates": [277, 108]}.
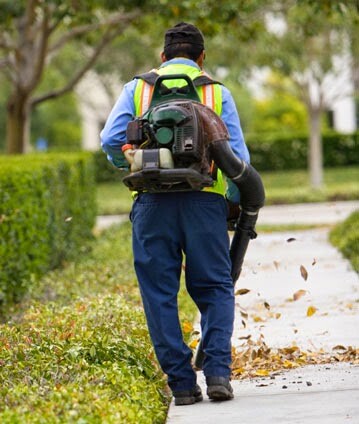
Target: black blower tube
{"type": "Point", "coordinates": [241, 173]}
{"type": "Point", "coordinates": [252, 198]}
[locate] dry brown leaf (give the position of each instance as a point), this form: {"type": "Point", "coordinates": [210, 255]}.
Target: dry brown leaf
{"type": "Point", "coordinates": [243, 313]}
{"type": "Point", "coordinates": [244, 323]}
{"type": "Point", "coordinates": [339, 347]}
{"type": "Point", "coordinates": [244, 337]}
{"type": "Point", "coordinates": [311, 311]}
{"type": "Point", "coordinates": [298, 294]}
{"type": "Point", "coordinates": [241, 292]}
{"type": "Point", "coordinates": [291, 239]}
{"type": "Point", "coordinates": [303, 272]}
{"type": "Point", "coordinates": [314, 262]}
{"type": "Point", "coordinates": [266, 305]}
{"type": "Point", "coordinates": [257, 318]}
{"type": "Point", "coordinates": [278, 315]}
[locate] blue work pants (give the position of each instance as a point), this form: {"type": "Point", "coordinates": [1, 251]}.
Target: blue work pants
{"type": "Point", "coordinates": [166, 227]}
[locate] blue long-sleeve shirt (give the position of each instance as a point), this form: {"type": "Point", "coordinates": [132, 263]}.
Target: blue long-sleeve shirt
{"type": "Point", "coordinates": [113, 135]}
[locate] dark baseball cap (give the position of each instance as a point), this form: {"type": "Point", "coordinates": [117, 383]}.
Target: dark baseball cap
{"type": "Point", "coordinates": [184, 33]}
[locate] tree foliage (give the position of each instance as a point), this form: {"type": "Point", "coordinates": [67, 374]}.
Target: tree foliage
{"type": "Point", "coordinates": [33, 33]}
{"type": "Point", "coordinates": [313, 50]}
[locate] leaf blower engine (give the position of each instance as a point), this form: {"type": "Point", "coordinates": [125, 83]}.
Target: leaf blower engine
{"type": "Point", "coordinates": [168, 147]}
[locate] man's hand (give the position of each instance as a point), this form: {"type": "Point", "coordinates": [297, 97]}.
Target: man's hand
{"type": "Point", "coordinates": [233, 214]}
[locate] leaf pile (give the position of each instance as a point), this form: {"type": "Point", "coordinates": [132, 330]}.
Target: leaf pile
{"type": "Point", "coordinates": [255, 358]}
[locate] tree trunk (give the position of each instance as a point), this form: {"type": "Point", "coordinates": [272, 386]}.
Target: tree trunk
{"type": "Point", "coordinates": [315, 149]}
{"type": "Point", "coordinates": [18, 124]}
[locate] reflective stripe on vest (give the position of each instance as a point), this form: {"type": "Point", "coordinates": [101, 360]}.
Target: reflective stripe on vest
{"type": "Point", "coordinates": [210, 95]}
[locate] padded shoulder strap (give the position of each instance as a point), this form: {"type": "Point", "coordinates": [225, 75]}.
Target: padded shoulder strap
{"type": "Point", "coordinates": [150, 78]}
{"type": "Point", "coordinates": [204, 80]}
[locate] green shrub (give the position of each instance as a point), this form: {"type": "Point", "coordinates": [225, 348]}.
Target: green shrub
{"type": "Point", "coordinates": [47, 211]}
{"type": "Point", "coordinates": [104, 171]}
{"type": "Point", "coordinates": [77, 350]}
{"type": "Point", "coordinates": [271, 152]}
{"type": "Point", "coordinates": [89, 362]}
{"type": "Point", "coordinates": [345, 236]}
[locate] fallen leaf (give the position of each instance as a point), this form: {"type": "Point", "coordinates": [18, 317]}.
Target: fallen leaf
{"type": "Point", "coordinates": [194, 343]}
{"type": "Point", "coordinates": [187, 327]}
{"type": "Point", "coordinates": [256, 318]}
{"type": "Point", "coordinates": [303, 272]}
{"type": "Point", "coordinates": [291, 239]}
{"type": "Point", "coordinates": [241, 292]}
{"type": "Point", "coordinates": [278, 315]}
{"type": "Point", "coordinates": [244, 323]}
{"type": "Point", "coordinates": [289, 350]}
{"type": "Point", "coordinates": [311, 311]}
{"type": "Point", "coordinates": [314, 262]}
{"type": "Point", "coordinates": [68, 219]}
{"type": "Point", "coordinates": [245, 337]}
{"type": "Point", "coordinates": [262, 372]}
{"type": "Point", "coordinates": [238, 371]}
{"type": "Point", "coordinates": [289, 364]}
{"type": "Point", "coordinates": [243, 313]}
{"type": "Point", "coordinates": [339, 347]}
{"type": "Point", "coordinates": [267, 305]}
{"type": "Point", "coordinates": [298, 294]}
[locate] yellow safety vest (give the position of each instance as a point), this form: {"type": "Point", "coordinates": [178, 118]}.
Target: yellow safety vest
{"type": "Point", "coordinates": [209, 94]}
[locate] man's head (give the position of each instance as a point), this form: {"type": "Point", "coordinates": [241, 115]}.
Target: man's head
{"type": "Point", "coordinates": [183, 40]}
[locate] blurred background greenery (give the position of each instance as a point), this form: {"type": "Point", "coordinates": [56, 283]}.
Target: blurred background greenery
{"type": "Point", "coordinates": [288, 63]}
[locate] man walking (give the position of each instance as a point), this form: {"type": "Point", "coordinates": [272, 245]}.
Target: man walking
{"type": "Point", "coordinates": [168, 226]}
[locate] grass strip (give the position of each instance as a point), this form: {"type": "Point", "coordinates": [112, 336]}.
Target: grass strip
{"type": "Point", "coordinates": [282, 187]}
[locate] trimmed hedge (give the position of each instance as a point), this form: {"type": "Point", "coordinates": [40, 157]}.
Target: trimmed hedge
{"type": "Point", "coordinates": [104, 171]}
{"type": "Point", "coordinates": [270, 152]}
{"type": "Point", "coordinates": [88, 362]}
{"type": "Point", "coordinates": [345, 236]}
{"type": "Point", "coordinates": [47, 211]}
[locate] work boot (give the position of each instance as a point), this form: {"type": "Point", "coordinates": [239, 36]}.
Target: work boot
{"type": "Point", "coordinates": [188, 397]}
{"type": "Point", "coordinates": [219, 388]}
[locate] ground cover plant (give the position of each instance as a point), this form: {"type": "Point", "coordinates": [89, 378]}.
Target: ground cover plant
{"type": "Point", "coordinates": [77, 350]}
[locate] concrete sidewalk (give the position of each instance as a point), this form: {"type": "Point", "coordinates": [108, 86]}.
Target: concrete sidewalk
{"type": "Point", "coordinates": [327, 394]}
{"type": "Point", "coordinates": [305, 213]}
{"type": "Point", "coordinates": [314, 395]}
